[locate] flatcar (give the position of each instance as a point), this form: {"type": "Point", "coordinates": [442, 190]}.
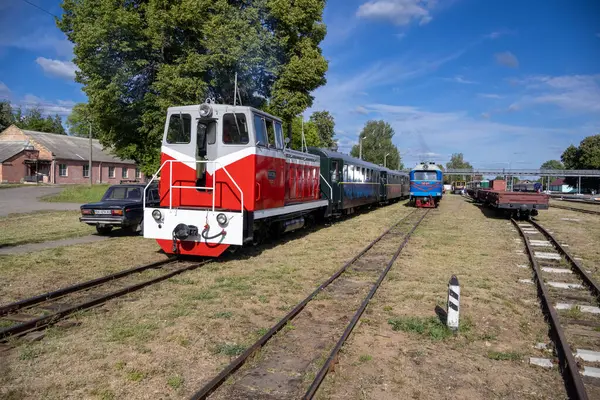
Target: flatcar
{"type": "Point", "coordinates": [228, 180]}
{"type": "Point", "coordinates": [426, 185]}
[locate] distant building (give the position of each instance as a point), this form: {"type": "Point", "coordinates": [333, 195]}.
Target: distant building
{"type": "Point", "coordinates": [558, 185]}
{"type": "Point", "coordinates": [30, 156]}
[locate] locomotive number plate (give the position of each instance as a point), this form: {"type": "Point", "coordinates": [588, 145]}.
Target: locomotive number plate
{"type": "Point", "coordinates": [102, 211]}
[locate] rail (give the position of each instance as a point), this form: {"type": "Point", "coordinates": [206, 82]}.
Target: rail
{"type": "Point", "coordinates": [236, 364]}
{"type": "Point", "coordinates": [212, 189]}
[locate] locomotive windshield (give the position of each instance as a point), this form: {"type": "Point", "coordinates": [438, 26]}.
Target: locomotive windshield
{"type": "Point", "coordinates": [180, 128]}
{"type": "Point", "coordinates": [235, 129]}
{"type": "Point", "coordinates": [425, 176]}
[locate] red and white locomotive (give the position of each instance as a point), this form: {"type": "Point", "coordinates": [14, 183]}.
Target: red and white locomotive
{"type": "Point", "coordinates": [227, 179]}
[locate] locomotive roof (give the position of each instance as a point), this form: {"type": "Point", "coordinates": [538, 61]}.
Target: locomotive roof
{"type": "Point", "coordinates": [430, 167]}
{"type": "Point", "coordinates": [223, 108]}
{"type": "Point", "coordinates": [348, 159]}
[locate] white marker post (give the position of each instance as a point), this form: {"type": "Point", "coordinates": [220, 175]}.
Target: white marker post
{"type": "Point", "coordinates": [453, 303]}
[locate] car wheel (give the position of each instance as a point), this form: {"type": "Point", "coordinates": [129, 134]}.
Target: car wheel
{"type": "Point", "coordinates": [141, 228]}
{"type": "Point", "coordinates": [131, 229]}
{"type": "Point", "coordinates": [103, 229]}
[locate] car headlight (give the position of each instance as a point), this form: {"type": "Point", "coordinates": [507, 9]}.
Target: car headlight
{"type": "Point", "coordinates": [156, 215]}
{"type": "Point", "coordinates": [221, 219]}
{"type": "Point", "coordinates": [205, 110]}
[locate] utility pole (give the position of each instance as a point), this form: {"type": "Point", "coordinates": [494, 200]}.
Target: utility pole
{"type": "Point", "coordinates": [90, 164]}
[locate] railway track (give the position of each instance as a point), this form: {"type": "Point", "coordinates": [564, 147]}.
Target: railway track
{"type": "Point", "coordinates": [38, 312]}
{"type": "Point", "coordinates": [298, 360]}
{"type": "Point", "coordinates": [577, 209]}
{"type": "Point", "coordinates": [569, 297]}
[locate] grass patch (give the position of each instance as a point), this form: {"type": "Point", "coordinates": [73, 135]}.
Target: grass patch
{"type": "Point", "coordinates": [29, 352]}
{"type": "Point", "coordinates": [78, 194]}
{"type": "Point", "coordinates": [224, 314]}
{"type": "Point", "coordinates": [230, 349]}
{"type": "Point", "coordinates": [42, 226]}
{"type": "Point", "coordinates": [502, 356]}
{"type": "Point", "coordinates": [204, 295]}
{"type": "Point", "coordinates": [364, 358]}
{"type": "Point", "coordinates": [121, 332]}
{"type": "Point", "coordinates": [135, 375]}
{"type": "Point", "coordinates": [175, 381]}
{"type": "Point", "coordinates": [431, 327]}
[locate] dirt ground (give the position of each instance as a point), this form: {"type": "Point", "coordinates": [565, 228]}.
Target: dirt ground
{"type": "Point", "coordinates": [167, 340]}
{"type": "Point", "coordinates": [580, 231]}
{"type": "Point", "coordinates": [400, 351]}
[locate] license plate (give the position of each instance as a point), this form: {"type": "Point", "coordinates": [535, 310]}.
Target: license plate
{"type": "Point", "coordinates": [102, 211]}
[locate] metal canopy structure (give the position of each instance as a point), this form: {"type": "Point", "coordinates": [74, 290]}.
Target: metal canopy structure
{"type": "Point", "coordinates": [559, 173]}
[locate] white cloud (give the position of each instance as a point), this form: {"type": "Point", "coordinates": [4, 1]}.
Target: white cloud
{"type": "Point", "coordinates": [490, 95]}
{"type": "Point", "coordinates": [574, 93]}
{"type": "Point", "coordinates": [57, 68]}
{"type": "Point", "coordinates": [4, 91]}
{"type": "Point", "coordinates": [48, 107]}
{"type": "Point", "coordinates": [507, 59]}
{"type": "Point", "coordinates": [400, 36]}
{"type": "Point", "coordinates": [461, 79]}
{"type": "Point", "coordinates": [400, 12]}
{"type": "Point", "coordinates": [361, 110]}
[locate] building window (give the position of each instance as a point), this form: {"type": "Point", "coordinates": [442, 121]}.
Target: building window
{"type": "Point", "coordinates": [138, 173]}
{"type": "Point", "coordinates": [86, 171]}
{"type": "Point", "coordinates": [111, 172]}
{"type": "Point", "coordinates": [124, 172]}
{"type": "Point", "coordinates": [62, 169]}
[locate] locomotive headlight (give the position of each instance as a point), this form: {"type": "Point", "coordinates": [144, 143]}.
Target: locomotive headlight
{"type": "Point", "coordinates": [221, 219]}
{"type": "Point", "coordinates": [205, 110]}
{"type": "Point", "coordinates": [156, 215]}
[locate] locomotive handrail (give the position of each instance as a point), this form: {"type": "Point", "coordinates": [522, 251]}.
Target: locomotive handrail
{"type": "Point", "coordinates": [171, 186]}
{"type": "Point", "coordinates": [330, 188]}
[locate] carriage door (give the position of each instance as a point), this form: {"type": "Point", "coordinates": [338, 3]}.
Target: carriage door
{"type": "Point", "coordinates": [335, 169]}
{"type": "Point", "coordinates": [206, 134]}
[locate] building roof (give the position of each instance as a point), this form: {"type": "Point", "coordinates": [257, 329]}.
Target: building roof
{"type": "Point", "coordinates": [66, 147]}
{"type": "Point", "coordinates": [9, 149]}
{"type": "Point", "coordinates": [558, 182]}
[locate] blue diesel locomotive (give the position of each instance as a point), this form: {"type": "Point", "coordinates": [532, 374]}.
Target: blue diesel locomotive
{"type": "Point", "coordinates": [426, 185]}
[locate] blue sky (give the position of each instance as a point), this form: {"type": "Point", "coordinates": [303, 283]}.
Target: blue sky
{"type": "Point", "coordinates": [505, 82]}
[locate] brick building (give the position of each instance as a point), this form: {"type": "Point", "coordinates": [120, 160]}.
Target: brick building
{"type": "Point", "coordinates": [30, 156]}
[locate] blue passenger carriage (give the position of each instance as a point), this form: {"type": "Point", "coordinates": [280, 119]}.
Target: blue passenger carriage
{"type": "Point", "coordinates": [426, 185]}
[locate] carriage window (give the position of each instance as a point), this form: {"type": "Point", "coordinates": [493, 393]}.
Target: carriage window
{"type": "Point", "coordinates": [334, 172]}
{"type": "Point", "coordinates": [270, 133]}
{"type": "Point", "coordinates": [235, 129]}
{"type": "Point", "coordinates": [179, 130]}
{"type": "Point", "coordinates": [278, 135]}
{"type": "Point", "coordinates": [260, 130]}
{"type": "Point", "coordinates": [425, 176]}
{"type": "Point", "coordinates": [345, 173]}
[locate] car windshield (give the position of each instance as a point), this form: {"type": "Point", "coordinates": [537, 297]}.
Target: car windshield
{"type": "Point", "coordinates": [123, 193]}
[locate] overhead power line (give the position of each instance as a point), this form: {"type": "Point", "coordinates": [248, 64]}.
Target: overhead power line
{"type": "Point", "coordinates": [40, 8]}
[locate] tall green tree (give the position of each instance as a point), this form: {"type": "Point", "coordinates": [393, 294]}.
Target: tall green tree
{"type": "Point", "coordinates": [79, 121]}
{"type": "Point", "coordinates": [552, 164]}
{"type": "Point", "coordinates": [457, 162]}
{"type": "Point", "coordinates": [325, 124]}
{"type": "Point", "coordinates": [376, 143]}
{"type": "Point", "coordinates": [33, 119]}
{"type": "Point", "coordinates": [138, 57]}
{"type": "Point", "coordinates": [298, 29]}
{"type": "Point", "coordinates": [6, 115]}
{"type": "Point", "coordinates": [585, 156]}
{"type": "Point", "coordinates": [311, 134]}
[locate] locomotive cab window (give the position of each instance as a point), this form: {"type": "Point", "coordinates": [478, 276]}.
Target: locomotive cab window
{"type": "Point", "coordinates": [270, 133]}
{"type": "Point", "coordinates": [278, 135]}
{"type": "Point", "coordinates": [235, 129]}
{"type": "Point", "coordinates": [260, 131]}
{"type": "Point", "coordinates": [334, 171]}
{"type": "Point", "coordinates": [180, 129]}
